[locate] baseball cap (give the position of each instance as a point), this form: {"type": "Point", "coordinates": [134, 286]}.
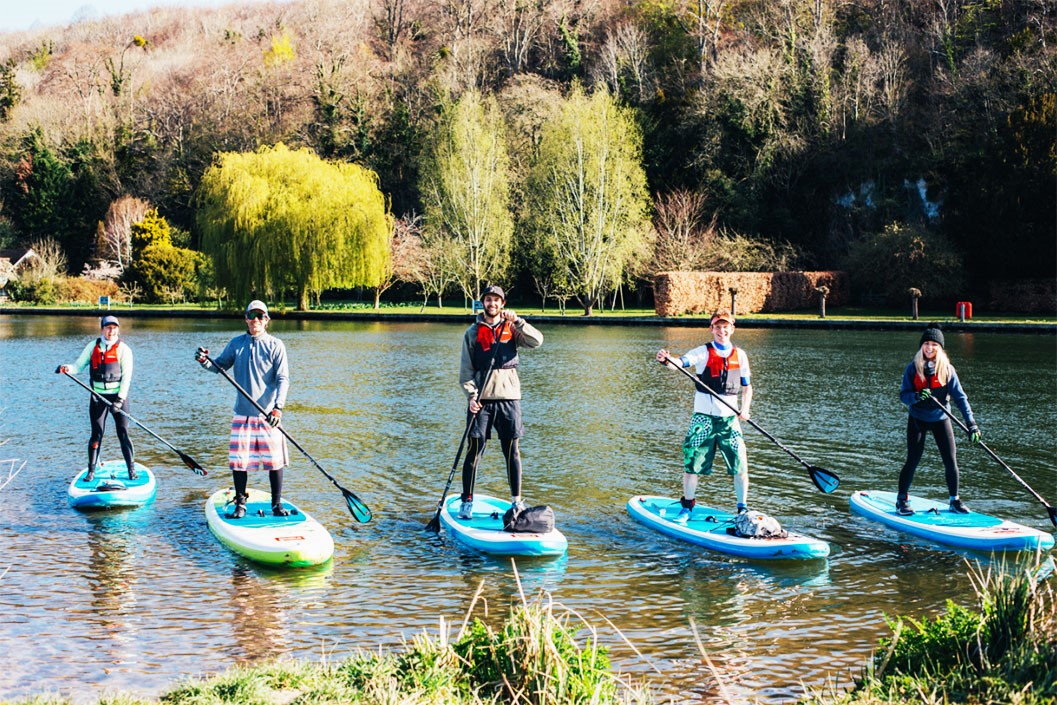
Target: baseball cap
{"type": "Point", "coordinates": [722, 315]}
{"type": "Point", "coordinates": [108, 321]}
{"type": "Point", "coordinates": [494, 291]}
{"type": "Point", "coordinates": [257, 305]}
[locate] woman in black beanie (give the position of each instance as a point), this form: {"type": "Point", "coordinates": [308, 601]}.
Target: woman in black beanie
{"type": "Point", "coordinates": [928, 379]}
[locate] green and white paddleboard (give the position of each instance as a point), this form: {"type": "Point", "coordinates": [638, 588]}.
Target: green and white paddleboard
{"type": "Point", "coordinates": [295, 541]}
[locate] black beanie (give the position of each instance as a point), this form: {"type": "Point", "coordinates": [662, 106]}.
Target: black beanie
{"type": "Point", "coordinates": [933, 333]}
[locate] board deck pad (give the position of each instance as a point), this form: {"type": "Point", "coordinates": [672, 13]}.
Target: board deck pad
{"type": "Point", "coordinates": [296, 540]}
{"type": "Point", "coordinates": [484, 531]}
{"type": "Point", "coordinates": [934, 521]}
{"type": "Point", "coordinates": [711, 528]}
{"type": "Point", "coordinates": [111, 488]}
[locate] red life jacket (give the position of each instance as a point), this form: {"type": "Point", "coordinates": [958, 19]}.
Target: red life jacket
{"type": "Point", "coordinates": [722, 374]}
{"type": "Point", "coordinates": [505, 356]}
{"type": "Point", "coordinates": [105, 367]}
{"type": "Point", "coordinates": [939, 391]}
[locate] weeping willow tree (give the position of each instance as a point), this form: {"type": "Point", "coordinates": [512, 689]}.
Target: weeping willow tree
{"type": "Point", "coordinates": [587, 199]}
{"type": "Point", "coordinates": [279, 219]}
{"type": "Point", "coordinates": [466, 190]}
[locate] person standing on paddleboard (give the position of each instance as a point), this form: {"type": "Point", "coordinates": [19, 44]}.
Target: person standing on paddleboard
{"type": "Point", "coordinates": [110, 362]}
{"type": "Point", "coordinates": [258, 363]}
{"type": "Point", "coordinates": [492, 342]}
{"type": "Point", "coordinates": [724, 369]}
{"type": "Point", "coordinates": [930, 376]}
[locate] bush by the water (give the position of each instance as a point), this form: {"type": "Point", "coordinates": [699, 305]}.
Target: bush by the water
{"type": "Point", "coordinates": [1002, 651]}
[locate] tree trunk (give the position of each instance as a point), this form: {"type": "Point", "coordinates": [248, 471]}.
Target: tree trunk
{"type": "Point", "coordinates": [914, 307]}
{"type": "Point", "coordinates": [377, 298]}
{"type": "Point", "coordinates": [822, 306]}
{"type": "Point", "coordinates": [302, 300]}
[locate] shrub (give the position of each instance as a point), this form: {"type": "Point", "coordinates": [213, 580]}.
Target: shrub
{"type": "Point", "coordinates": [85, 291]}
{"type": "Point", "coordinates": [889, 263]}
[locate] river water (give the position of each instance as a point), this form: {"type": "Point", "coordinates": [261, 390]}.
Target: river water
{"type": "Point", "coordinates": [137, 599]}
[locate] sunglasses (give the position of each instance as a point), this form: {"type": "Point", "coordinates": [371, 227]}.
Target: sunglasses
{"type": "Point", "coordinates": [255, 315]}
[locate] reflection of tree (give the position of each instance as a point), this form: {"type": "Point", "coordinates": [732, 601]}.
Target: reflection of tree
{"type": "Point", "coordinates": [257, 625]}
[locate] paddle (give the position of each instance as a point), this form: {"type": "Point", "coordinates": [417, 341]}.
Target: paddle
{"type": "Point", "coordinates": [357, 508]}
{"type": "Point", "coordinates": [188, 460]}
{"type": "Point", "coordinates": [824, 480]}
{"type": "Point", "coordinates": [434, 523]}
{"type": "Point", "coordinates": [1049, 508]}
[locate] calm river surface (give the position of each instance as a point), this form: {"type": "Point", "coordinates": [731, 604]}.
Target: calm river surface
{"type": "Point", "coordinates": [135, 600]}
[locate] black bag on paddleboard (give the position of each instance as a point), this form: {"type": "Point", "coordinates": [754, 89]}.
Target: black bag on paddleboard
{"type": "Point", "coordinates": [757, 525]}
{"type": "Point", "coordinates": [533, 520]}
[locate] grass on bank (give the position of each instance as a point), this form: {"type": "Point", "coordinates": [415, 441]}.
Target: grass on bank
{"type": "Point", "coordinates": [1002, 651]}
{"type": "Point", "coordinates": [844, 313]}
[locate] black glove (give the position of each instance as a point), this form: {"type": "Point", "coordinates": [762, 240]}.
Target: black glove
{"type": "Point", "coordinates": [201, 357]}
{"type": "Point", "coordinates": [61, 370]}
{"type": "Point", "coordinates": [275, 417]}
{"type": "Point", "coordinates": [924, 395]}
{"type": "Point", "coordinates": [974, 433]}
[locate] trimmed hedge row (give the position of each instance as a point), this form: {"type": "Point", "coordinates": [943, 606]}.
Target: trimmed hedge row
{"type": "Point", "coordinates": [677, 293]}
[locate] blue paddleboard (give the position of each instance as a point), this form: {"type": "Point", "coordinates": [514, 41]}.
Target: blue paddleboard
{"type": "Point", "coordinates": [485, 533]}
{"type": "Point", "coordinates": [713, 528]}
{"type": "Point", "coordinates": [934, 521]}
{"type": "Point", "coordinates": [110, 488]}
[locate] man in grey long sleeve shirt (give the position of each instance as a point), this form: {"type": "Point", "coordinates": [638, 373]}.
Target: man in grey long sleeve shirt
{"type": "Point", "coordinates": [258, 364]}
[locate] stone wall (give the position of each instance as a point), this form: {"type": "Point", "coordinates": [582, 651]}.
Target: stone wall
{"type": "Point", "coordinates": [677, 293]}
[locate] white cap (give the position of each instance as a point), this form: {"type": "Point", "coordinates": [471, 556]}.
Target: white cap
{"type": "Point", "coordinates": [256, 305]}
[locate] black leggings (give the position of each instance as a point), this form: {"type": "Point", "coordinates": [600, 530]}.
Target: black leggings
{"type": "Point", "coordinates": [944, 435]}
{"type": "Point", "coordinates": [97, 413]}
{"type": "Point", "coordinates": [240, 478]}
{"type": "Point", "coordinates": [473, 456]}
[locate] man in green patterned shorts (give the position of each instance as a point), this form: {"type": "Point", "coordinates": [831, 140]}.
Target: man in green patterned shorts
{"type": "Point", "coordinates": [724, 369]}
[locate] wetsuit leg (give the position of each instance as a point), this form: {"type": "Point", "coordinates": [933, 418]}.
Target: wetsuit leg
{"type": "Point", "coordinates": [275, 480]}
{"type": "Point", "coordinates": [474, 449]}
{"type": "Point", "coordinates": [240, 478]}
{"type": "Point", "coordinates": [512, 455]}
{"type": "Point", "coordinates": [943, 432]}
{"type": "Point", "coordinates": [128, 451]}
{"type": "Point", "coordinates": [915, 447]}
{"type": "Point", "coordinates": [97, 413]}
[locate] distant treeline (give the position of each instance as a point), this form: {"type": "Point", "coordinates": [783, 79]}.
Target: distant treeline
{"type": "Point", "coordinates": [912, 143]}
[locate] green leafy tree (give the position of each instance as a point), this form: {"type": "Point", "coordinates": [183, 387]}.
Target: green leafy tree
{"type": "Point", "coordinates": [586, 196]}
{"type": "Point", "coordinates": [279, 219]}
{"type": "Point", "coordinates": [10, 90]}
{"type": "Point", "coordinates": [466, 189]}
{"type": "Point", "coordinates": [163, 271]}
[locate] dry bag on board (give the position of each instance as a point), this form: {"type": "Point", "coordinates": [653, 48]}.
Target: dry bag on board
{"type": "Point", "coordinates": [758, 525]}
{"type": "Point", "coordinates": [534, 520]}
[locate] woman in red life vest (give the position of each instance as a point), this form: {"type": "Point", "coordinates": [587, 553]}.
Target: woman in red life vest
{"type": "Point", "coordinates": [109, 361]}
{"type": "Point", "coordinates": [928, 382]}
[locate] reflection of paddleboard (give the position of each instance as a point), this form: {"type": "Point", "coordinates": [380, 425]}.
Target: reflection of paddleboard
{"type": "Point", "coordinates": [709, 528]}
{"type": "Point", "coordinates": [485, 530]}
{"type": "Point", "coordinates": [295, 541]}
{"type": "Point", "coordinates": [111, 488]}
{"type": "Point", "coordinates": [932, 520]}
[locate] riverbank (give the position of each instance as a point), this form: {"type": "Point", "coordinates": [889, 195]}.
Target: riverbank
{"type": "Point", "coordinates": [838, 319]}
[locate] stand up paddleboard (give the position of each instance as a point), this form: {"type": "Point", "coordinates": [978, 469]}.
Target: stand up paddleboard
{"type": "Point", "coordinates": [111, 488]}
{"type": "Point", "coordinates": [934, 521]}
{"type": "Point", "coordinates": [714, 529]}
{"type": "Point", "coordinates": [485, 533]}
{"type": "Point", "coordinates": [294, 541]}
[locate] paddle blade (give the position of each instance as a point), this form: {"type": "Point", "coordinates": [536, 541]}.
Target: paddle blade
{"type": "Point", "coordinates": [1053, 514]}
{"type": "Point", "coordinates": [434, 524]}
{"type": "Point", "coordinates": [357, 508]}
{"type": "Point", "coordinates": [824, 480]}
{"type": "Point", "coordinates": [192, 464]}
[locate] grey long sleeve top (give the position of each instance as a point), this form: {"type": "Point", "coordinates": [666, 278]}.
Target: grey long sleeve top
{"type": "Point", "coordinates": [259, 365]}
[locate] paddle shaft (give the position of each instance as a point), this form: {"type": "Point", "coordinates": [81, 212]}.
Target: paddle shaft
{"type": "Point", "coordinates": [434, 523]}
{"type": "Point", "coordinates": [955, 419]}
{"type": "Point", "coordinates": [724, 402]}
{"type": "Point", "coordinates": [188, 460]}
